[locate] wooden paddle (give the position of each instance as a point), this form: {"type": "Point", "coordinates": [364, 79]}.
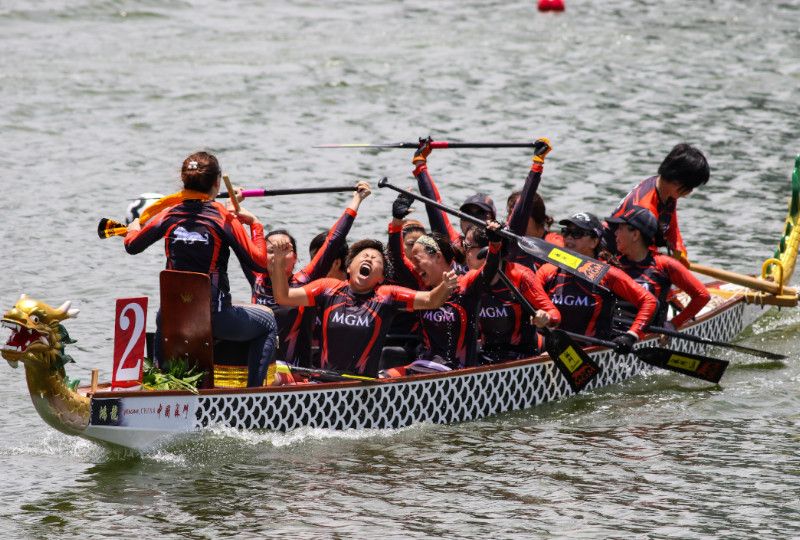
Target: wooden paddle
{"type": "Point", "coordinates": [585, 268]}
{"type": "Point", "coordinates": [234, 200]}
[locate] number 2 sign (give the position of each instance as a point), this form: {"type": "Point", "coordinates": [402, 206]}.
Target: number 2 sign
{"type": "Point", "coordinates": [129, 337]}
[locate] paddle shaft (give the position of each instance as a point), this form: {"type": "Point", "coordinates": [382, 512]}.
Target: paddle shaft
{"type": "Point", "coordinates": [228, 185]}
{"type": "Point", "coordinates": [706, 341]}
{"type": "Point", "coordinates": [741, 279]}
{"type": "Point", "coordinates": [276, 192]}
{"type": "Point", "coordinates": [434, 144]}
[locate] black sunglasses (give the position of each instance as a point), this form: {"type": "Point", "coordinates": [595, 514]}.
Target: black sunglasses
{"type": "Point", "coordinates": [575, 233]}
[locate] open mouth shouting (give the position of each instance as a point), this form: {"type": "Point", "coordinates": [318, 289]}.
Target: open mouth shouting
{"type": "Point", "coordinates": [365, 269]}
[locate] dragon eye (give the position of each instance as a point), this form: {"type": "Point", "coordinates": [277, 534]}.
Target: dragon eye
{"type": "Point", "coordinates": [34, 319]}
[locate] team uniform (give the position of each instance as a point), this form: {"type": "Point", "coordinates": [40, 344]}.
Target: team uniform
{"type": "Point", "coordinates": [295, 325]}
{"type": "Point", "coordinates": [354, 325]}
{"type": "Point", "coordinates": [450, 333]}
{"type": "Point", "coordinates": [438, 219]}
{"type": "Point", "coordinates": [518, 220]}
{"type": "Point", "coordinates": [198, 237]}
{"type": "Point", "coordinates": [646, 196]}
{"type": "Point", "coordinates": [505, 326]}
{"type": "Point", "coordinates": [589, 311]}
{"type": "Point", "coordinates": [656, 274]}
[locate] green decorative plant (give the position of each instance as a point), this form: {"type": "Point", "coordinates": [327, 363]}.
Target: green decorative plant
{"type": "Point", "coordinates": [176, 374]}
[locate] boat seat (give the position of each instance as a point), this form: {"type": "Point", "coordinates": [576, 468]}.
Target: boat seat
{"type": "Point", "coordinates": [186, 320]}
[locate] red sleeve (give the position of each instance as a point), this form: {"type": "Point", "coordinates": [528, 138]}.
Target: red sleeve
{"type": "Point", "coordinates": [532, 290]}
{"type": "Point", "coordinates": [518, 220]}
{"type": "Point", "coordinates": [544, 274]}
{"type": "Point", "coordinates": [318, 287]}
{"type": "Point", "coordinates": [323, 260]}
{"type": "Point", "coordinates": [400, 295]}
{"type": "Point", "coordinates": [439, 220]}
{"type": "Point", "coordinates": [152, 232]}
{"type": "Point", "coordinates": [626, 288]}
{"type": "Point", "coordinates": [683, 279]}
{"type": "Point", "coordinates": [554, 238]}
{"type": "Point", "coordinates": [251, 254]}
{"type": "Point", "coordinates": [674, 237]}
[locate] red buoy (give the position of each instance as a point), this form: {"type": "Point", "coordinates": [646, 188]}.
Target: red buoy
{"type": "Point", "coordinates": [551, 5]}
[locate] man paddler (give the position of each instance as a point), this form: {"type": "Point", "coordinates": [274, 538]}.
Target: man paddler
{"type": "Point", "coordinates": [684, 169]}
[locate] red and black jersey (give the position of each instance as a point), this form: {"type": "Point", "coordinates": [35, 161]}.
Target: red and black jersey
{"type": "Point", "coordinates": [450, 332]}
{"type": "Point", "coordinates": [646, 195]}
{"type": "Point", "coordinates": [505, 327]}
{"type": "Point", "coordinates": [589, 312]}
{"type": "Point", "coordinates": [518, 220]}
{"type": "Point", "coordinates": [198, 235]}
{"type": "Point", "coordinates": [354, 325]}
{"type": "Point", "coordinates": [438, 219]}
{"type": "Point", "coordinates": [295, 324]}
{"type": "Point", "coordinates": [656, 274]}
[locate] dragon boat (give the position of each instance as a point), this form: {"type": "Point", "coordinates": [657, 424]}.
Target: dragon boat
{"type": "Point", "coordinates": [141, 420]}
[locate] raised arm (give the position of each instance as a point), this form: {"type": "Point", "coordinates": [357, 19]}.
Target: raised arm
{"type": "Point", "coordinates": [518, 221]}
{"type": "Point", "coordinates": [281, 292]}
{"type": "Point", "coordinates": [140, 238]}
{"type": "Point", "coordinates": [404, 273]}
{"type": "Point", "coordinates": [438, 219]}
{"type": "Point", "coordinates": [322, 262]}
{"type": "Point", "coordinates": [250, 249]}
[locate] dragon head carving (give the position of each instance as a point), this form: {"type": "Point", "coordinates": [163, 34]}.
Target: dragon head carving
{"type": "Point", "coordinates": [37, 335]}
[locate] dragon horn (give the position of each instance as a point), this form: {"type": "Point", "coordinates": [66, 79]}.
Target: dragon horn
{"type": "Point", "coordinates": [65, 310]}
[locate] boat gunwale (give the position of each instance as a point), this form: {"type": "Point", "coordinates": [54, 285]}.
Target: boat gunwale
{"type": "Point", "coordinates": [540, 359]}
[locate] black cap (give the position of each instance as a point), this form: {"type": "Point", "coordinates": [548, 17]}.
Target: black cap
{"type": "Point", "coordinates": [586, 221]}
{"type": "Point", "coordinates": [639, 218]}
{"type": "Point", "coordinates": [482, 201]}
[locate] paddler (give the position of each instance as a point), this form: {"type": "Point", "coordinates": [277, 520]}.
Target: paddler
{"type": "Point", "coordinates": [683, 170]}
{"type": "Point", "coordinates": [507, 331]}
{"type": "Point", "coordinates": [355, 313]}
{"type": "Point", "coordinates": [449, 332]}
{"type": "Point", "coordinates": [295, 324]}
{"type": "Point", "coordinates": [528, 217]}
{"type": "Point", "coordinates": [585, 310]}
{"type": "Point", "coordinates": [199, 234]}
{"type": "Point", "coordinates": [635, 233]}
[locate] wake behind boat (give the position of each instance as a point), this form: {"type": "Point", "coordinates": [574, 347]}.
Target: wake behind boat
{"type": "Point", "coordinates": [139, 419]}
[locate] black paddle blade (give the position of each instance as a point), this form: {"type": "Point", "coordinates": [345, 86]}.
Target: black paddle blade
{"type": "Point", "coordinates": [572, 361]}
{"type": "Point", "coordinates": [108, 228]}
{"type": "Point", "coordinates": [570, 261]}
{"type": "Point", "coordinates": [693, 365]}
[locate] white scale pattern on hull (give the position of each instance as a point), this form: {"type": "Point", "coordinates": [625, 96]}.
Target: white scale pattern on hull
{"type": "Point", "coordinates": [455, 398]}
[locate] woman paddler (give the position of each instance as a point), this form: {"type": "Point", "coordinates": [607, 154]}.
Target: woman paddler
{"type": "Point", "coordinates": [507, 331]}
{"type": "Point", "coordinates": [295, 324]}
{"type": "Point", "coordinates": [355, 313]}
{"type": "Point", "coordinates": [635, 233]}
{"type": "Point", "coordinates": [199, 234]}
{"type": "Point", "coordinates": [528, 216]}
{"type": "Point", "coordinates": [449, 332]}
{"type": "Point", "coordinates": [587, 311]}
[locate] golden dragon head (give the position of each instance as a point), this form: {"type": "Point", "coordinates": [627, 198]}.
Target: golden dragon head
{"type": "Point", "coordinates": [37, 335]}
